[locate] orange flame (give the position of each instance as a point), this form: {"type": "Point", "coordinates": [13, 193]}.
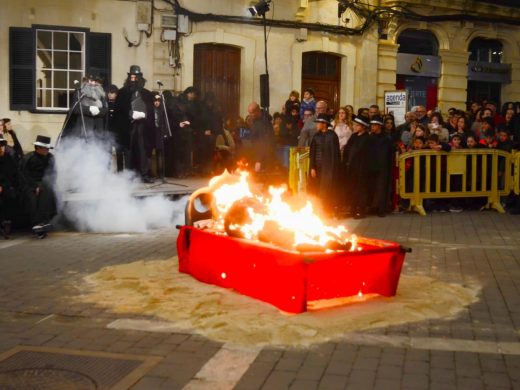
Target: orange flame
{"type": "Point", "coordinates": [302, 224]}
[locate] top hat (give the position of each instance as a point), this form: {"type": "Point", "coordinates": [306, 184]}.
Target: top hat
{"type": "Point", "coordinates": [92, 75]}
{"type": "Point", "coordinates": [43, 141]}
{"type": "Point", "coordinates": [3, 141]}
{"type": "Point", "coordinates": [377, 120]}
{"type": "Point", "coordinates": [135, 69]}
{"type": "Point", "coordinates": [322, 118]}
{"type": "Point", "coordinates": [362, 120]}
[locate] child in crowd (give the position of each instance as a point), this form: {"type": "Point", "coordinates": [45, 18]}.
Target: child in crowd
{"type": "Point", "coordinates": [294, 99]}
{"type": "Point", "coordinates": [471, 142]}
{"type": "Point", "coordinates": [435, 144]}
{"type": "Point", "coordinates": [308, 102]}
{"type": "Point", "coordinates": [489, 140]}
{"type": "Point", "coordinates": [456, 141]}
{"type": "Point", "coordinates": [504, 141]}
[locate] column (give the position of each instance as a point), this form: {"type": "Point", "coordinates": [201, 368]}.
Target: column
{"type": "Point", "coordinates": [386, 69]}
{"type": "Point", "coordinates": [453, 83]}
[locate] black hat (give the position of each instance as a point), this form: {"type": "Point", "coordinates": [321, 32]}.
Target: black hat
{"type": "Point", "coordinates": [135, 69]}
{"type": "Point", "coordinates": [377, 120]}
{"type": "Point", "coordinates": [362, 120]}
{"type": "Point", "coordinates": [323, 118]}
{"type": "Point", "coordinates": [92, 75]}
{"type": "Point", "coordinates": [3, 141]}
{"type": "Point", "coordinates": [43, 141]}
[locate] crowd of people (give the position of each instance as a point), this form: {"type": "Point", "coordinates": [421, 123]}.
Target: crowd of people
{"type": "Point", "coordinates": [157, 134]}
{"type": "Point", "coordinates": [352, 155]}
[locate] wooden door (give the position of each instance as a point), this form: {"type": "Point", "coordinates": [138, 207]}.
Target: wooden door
{"type": "Point", "coordinates": [216, 68]}
{"type": "Point", "coordinates": [322, 73]}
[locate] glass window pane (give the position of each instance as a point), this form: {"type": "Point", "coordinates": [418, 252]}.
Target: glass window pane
{"type": "Point", "coordinates": [44, 59]}
{"type": "Point", "coordinates": [44, 79]}
{"type": "Point", "coordinates": [43, 98]}
{"type": "Point", "coordinates": [60, 79]}
{"type": "Point", "coordinates": [75, 61]}
{"type": "Point", "coordinates": [60, 60]}
{"type": "Point", "coordinates": [61, 41]}
{"type": "Point", "coordinates": [75, 76]}
{"type": "Point", "coordinates": [44, 39]}
{"type": "Point", "coordinates": [76, 41]}
{"type": "Point", "coordinates": [60, 99]}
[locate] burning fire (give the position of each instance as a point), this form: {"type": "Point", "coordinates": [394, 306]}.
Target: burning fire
{"type": "Point", "coordinates": [239, 212]}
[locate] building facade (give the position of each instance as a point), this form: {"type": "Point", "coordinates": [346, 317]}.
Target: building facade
{"type": "Point", "coordinates": [442, 52]}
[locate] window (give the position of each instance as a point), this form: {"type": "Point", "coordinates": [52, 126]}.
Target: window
{"type": "Point", "coordinates": [413, 41]}
{"type": "Point", "coordinates": [485, 50]}
{"type": "Point", "coordinates": [60, 59]}
{"type": "Point", "coordinates": [45, 61]}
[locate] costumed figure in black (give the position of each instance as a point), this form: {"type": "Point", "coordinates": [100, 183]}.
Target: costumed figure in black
{"type": "Point", "coordinates": [9, 188]}
{"type": "Point", "coordinates": [262, 139]}
{"type": "Point", "coordinates": [161, 133]}
{"type": "Point", "coordinates": [13, 146]}
{"type": "Point", "coordinates": [135, 104]}
{"type": "Point", "coordinates": [38, 177]}
{"type": "Point", "coordinates": [87, 116]}
{"type": "Point", "coordinates": [119, 138]}
{"type": "Point", "coordinates": [380, 167]}
{"type": "Point", "coordinates": [356, 159]}
{"type": "Point", "coordinates": [325, 160]}
{"type": "Point", "coordinates": [185, 123]}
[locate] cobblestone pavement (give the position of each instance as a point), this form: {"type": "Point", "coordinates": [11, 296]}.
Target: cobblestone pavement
{"type": "Point", "coordinates": [478, 349]}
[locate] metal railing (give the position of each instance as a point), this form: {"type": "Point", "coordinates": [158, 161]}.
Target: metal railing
{"type": "Point", "coordinates": [428, 174]}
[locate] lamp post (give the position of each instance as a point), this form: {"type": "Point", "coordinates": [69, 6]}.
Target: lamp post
{"type": "Point", "coordinates": [260, 9]}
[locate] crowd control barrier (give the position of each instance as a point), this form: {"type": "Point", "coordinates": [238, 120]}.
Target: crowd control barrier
{"type": "Point", "coordinates": [428, 174]}
{"type": "Point", "coordinates": [516, 173]}
{"type": "Point", "coordinates": [298, 169]}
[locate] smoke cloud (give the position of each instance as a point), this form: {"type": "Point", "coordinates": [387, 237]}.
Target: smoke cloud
{"type": "Point", "coordinates": [94, 198]}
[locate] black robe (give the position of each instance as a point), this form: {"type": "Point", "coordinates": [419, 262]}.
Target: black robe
{"type": "Point", "coordinates": [10, 183]}
{"type": "Point", "coordinates": [380, 169]}
{"type": "Point", "coordinates": [325, 158]}
{"type": "Point", "coordinates": [356, 158]}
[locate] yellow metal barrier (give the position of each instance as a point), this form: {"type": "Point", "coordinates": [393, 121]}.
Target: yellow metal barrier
{"type": "Point", "coordinates": [298, 169]}
{"type": "Point", "coordinates": [516, 173]}
{"type": "Point", "coordinates": [428, 174]}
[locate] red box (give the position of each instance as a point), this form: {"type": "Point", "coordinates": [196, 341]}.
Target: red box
{"type": "Point", "coordinates": [287, 279]}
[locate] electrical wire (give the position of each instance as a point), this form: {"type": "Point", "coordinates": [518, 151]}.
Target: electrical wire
{"type": "Point", "coordinates": [361, 9]}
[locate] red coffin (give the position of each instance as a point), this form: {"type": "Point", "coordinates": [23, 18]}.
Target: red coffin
{"type": "Point", "coordinates": [289, 279]}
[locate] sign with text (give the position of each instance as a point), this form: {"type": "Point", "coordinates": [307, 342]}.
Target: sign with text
{"type": "Point", "coordinates": [395, 104]}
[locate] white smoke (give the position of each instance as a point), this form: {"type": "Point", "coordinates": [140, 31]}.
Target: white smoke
{"type": "Point", "coordinates": [94, 198]}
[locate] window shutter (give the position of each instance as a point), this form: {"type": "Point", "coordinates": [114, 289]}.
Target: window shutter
{"type": "Point", "coordinates": [22, 57]}
{"type": "Point", "coordinates": [99, 55]}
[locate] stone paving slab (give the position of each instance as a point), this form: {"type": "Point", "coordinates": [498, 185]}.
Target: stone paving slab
{"type": "Point", "coordinates": [479, 348]}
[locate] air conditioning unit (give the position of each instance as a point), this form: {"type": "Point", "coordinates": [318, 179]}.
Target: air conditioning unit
{"type": "Point", "coordinates": [169, 21]}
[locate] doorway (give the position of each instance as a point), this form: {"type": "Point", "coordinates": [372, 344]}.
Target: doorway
{"type": "Point", "coordinates": [322, 73]}
{"type": "Point", "coordinates": [216, 68]}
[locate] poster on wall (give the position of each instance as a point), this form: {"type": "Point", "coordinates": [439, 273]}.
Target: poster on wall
{"type": "Point", "coordinates": [395, 104]}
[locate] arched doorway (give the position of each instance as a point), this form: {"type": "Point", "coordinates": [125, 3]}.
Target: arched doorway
{"type": "Point", "coordinates": [486, 72]}
{"type": "Point", "coordinates": [418, 67]}
{"type": "Point", "coordinates": [216, 68]}
{"type": "Point", "coordinates": [322, 72]}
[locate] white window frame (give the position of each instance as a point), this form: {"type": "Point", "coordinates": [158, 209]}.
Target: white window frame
{"type": "Point", "coordinates": [70, 88]}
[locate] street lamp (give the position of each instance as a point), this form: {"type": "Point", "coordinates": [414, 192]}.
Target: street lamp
{"type": "Point", "coordinates": [259, 9]}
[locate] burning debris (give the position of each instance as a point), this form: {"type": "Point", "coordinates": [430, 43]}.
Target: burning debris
{"type": "Point", "coordinates": [233, 208]}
